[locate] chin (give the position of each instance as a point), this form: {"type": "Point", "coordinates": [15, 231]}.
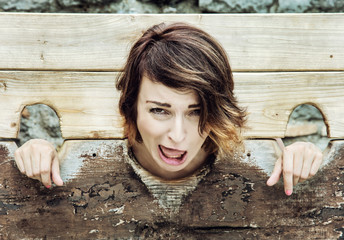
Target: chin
{"type": "Point", "coordinates": [171, 172]}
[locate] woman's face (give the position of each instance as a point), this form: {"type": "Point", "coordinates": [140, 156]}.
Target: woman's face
{"type": "Point", "coordinates": [167, 120]}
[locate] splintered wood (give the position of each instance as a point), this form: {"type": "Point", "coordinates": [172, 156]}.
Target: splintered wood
{"type": "Point", "coordinates": [104, 197]}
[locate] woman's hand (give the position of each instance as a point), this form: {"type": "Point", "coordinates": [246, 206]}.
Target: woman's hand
{"type": "Point", "coordinates": [298, 162]}
{"type": "Point", "coordinates": [38, 159]}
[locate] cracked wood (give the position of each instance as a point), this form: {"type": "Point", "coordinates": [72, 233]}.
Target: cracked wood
{"type": "Point", "coordinates": [106, 198]}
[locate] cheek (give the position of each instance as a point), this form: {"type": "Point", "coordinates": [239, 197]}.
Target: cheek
{"type": "Point", "coordinates": [195, 133]}
{"type": "Point", "coordinates": [200, 139]}
{"type": "Point", "coordinates": [149, 129]}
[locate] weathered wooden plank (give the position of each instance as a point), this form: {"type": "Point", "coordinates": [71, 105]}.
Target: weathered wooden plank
{"type": "Point", "coordinates": [86, 102]}
{"type": "Point", "coordinates": [106, 198]}
{"type": "Point", "coordinates": [271, 97]}
{"type": "Point", "coordinates": [254, 42]}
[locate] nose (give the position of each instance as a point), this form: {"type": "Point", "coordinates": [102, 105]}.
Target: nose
{"type": "Point", "coordinates": [177, 131]}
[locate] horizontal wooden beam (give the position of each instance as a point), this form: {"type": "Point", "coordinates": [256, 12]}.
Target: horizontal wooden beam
{"type": "Point", "coordinates": [101, 198]}
{"type": "Point", "coordinates": [270, 99]}
{"type": "Point", "coordinates": [86, 102]}
{"type": "Point", "coordinates": [100, 42]}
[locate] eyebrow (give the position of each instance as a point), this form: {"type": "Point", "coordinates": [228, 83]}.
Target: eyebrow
{"type": "Point", "coordinates": [169, 105]}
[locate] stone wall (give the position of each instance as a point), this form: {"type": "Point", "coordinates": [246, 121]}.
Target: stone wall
{"type": "Point", "coordinates": [174, 6]}
{"type": "Point", "coordinates": [271, 6]}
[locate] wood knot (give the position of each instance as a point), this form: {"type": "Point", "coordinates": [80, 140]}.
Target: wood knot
{"type": "Point", "coordinates": [95, 134]}
{"type": "Point", "coordinates": [3, 87]}
{"type": "Point", "coordinates": [25, 113]}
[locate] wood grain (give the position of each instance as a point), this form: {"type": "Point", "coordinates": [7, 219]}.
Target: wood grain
{"type": "Point", "coordinates": [87, 102]}
{"type": "Point", "coordinates": [100, 42]}
{"type": "Point", "coordinates": [106, 198]}
{"type": "Point", "coordinates": [271, 97]}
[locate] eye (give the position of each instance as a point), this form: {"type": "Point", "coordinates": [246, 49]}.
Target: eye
{"type": "Point", "coordinates": [159, 111]}
{"type": "Point", "coordinates": [195, 112]}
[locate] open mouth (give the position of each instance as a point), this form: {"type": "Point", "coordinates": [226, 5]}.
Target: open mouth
{"type": "Point", "coordinates": [172, 156]}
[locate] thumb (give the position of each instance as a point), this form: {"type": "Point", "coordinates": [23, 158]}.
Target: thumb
{"type": "Point", "coordinates": [276, 173]}
{"type": "Point", "coordinates": [55, 172]}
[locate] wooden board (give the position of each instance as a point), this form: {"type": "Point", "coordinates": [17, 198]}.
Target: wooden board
{"type": "Point", "coordinates": [271, 97]}
{"type": "Point", "coordinates": [86, 102]}
{"type": "Point", "coordinates": [104, 197]}
{"type": "Point", "coordinates": [100, 42]}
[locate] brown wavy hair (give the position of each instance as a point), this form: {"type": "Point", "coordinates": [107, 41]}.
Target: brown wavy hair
{"type": "Point", "coordinates": [185, 58]}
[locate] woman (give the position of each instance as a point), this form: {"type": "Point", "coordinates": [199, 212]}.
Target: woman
{"type": "Point", "coordinates": [179, 110]}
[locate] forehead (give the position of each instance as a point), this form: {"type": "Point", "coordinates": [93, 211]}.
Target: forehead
{"type": "Point", "coordinates": [155, 91]}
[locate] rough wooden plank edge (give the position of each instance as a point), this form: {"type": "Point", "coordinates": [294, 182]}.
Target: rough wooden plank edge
{"type": "Point", "coordinates": [108, 199]}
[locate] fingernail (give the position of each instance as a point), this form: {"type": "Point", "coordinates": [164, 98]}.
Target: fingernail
{"type": "Point", "coordinates": [288, 192]}
{"type": "Point", "coordinates": [48, 186]}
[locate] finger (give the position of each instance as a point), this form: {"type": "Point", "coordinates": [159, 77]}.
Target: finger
{"type": "Point", "coordinates": [276, 173]}
{"type": "Point", "coordinates": [37, 178]}
{"type": "Point", "coordinates": [26, 156]}
{"type": "Point", "coordinates": [288, 171]}
{"type": "Point", "coordinates": [316, 163]}
{"type": "Point", "coordinates": [19, 161]}
{"type": "Point", "coordinates": [298, 163]}
{"type": "Point", "coordinates": [280, 143]}
{"type": "Point", "coordinates": [35, 162]}
{"type": "Point", "coordinates": [56, 172]}
{"type": "Point", "coordinates": [308, 159]}
{"type": "Point", "coordinates": [46, 162]}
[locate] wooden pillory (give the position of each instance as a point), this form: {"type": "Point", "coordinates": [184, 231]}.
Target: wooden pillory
{"type": "Point", "coordinates": [70, 61]}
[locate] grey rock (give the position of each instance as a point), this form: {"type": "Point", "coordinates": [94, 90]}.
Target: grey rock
{"type": "Point", "coordinates": [167, 2]}
{"type": "Point", "coordinates": [181, 7]}
{"type": "Point", "coordinates": [126, 6]}
{"type": "Point", "coordinates": [306, 112]}
{"type": "Point", "coordinates": [99, 2]}
{"type": "Point", "coordinates": [28, 5]}
{"type": "Point", "coordinates": [174, 6]}
{"type": "Point", "coordinates": [42, 123]}
{"type": "Point", "coordinates": [168, 9]}
{"type": "Point", "coordinates": [69, 3]}
{"type": "Point", "coordinates": [303, 6]}
{"type": "Point", "coordinates": [133, 6]}
{"type": "Point", "coordinates": [327, 6]}
{"type": "Point", "coordinates": [187, 7]}
{"type": "Point", "coordinates": [294, 6]}
{"type": "Point", "coordinates": [236, 6]}
{"type": "Point", "coordinates": [271, 6]}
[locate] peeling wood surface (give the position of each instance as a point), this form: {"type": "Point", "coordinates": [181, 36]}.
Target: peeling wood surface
{"type": "Point", "coordinates": [100, 42]}
{"type": "Point", "coordinates": [86, 102]}
{"type": "Point", "coordinates": [105, 198]}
